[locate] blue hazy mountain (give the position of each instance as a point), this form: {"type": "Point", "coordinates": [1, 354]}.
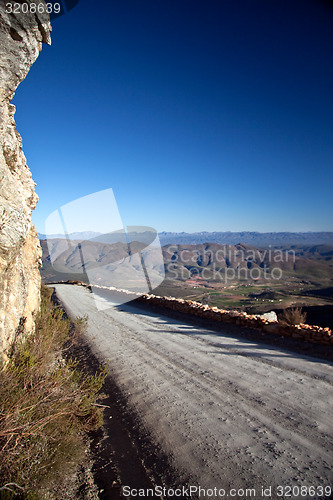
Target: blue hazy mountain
{"type": "Point", "coordinates": [252, 238]}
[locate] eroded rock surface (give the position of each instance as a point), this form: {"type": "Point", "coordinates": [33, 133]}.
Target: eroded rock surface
{"type": "Point", "coordinates": [21, 38]}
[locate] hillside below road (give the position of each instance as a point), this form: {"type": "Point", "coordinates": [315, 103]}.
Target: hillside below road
{"type": "Point", "coordinates": [229, 413]}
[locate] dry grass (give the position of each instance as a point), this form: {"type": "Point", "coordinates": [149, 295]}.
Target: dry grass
{"type": "Point", "coordinates": [292, 316]}
{"type": "Point", "coordinates": [46, 407]}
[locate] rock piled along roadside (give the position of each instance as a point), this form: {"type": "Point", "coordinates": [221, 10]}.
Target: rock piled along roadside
{"type": "Point", "coordinates": [267, 322]}
{"type": "Point", "coordinates": [309, 333]}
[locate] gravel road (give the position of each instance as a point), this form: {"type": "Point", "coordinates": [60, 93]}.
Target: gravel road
{"type": "Point", "coordinates": [231, 414]}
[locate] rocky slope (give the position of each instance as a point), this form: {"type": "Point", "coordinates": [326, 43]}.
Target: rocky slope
{"type": "Point", "coordinates": [185, 261]}
{"type": "Point", "coordinates": [21, 38]}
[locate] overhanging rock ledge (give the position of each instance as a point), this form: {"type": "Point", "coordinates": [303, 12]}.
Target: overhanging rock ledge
{"type": "Point", "coordinates": [21, 39]}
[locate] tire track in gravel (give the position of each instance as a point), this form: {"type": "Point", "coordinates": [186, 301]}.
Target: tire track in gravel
{"type": "Point", "coordinates": [249, 407]}
{"type": "Point", "coordinates": [225, 385]}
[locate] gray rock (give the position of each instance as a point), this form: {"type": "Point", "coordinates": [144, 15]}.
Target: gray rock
{"type": "Point", "coordinates": [21, 38]}
{"type": "Point", "coordinates": [271, 316]}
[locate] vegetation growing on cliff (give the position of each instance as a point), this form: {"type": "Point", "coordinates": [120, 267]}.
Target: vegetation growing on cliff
{"type": "Point", "coordinates": [47, 405]}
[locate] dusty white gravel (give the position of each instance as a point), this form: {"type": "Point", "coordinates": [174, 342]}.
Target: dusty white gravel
{"type": "Point", "coordinates": [231, 414]}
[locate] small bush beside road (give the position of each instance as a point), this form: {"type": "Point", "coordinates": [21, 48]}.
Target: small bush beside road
{"type": "Point", "coordinates": [292, 316]}
{"type": "Point", "coordinates": [47, 406]}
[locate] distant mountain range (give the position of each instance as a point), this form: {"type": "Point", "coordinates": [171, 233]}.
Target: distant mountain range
{"type": "Point", "coordinates": [203, 260]}
{"type": "Point", "coordinates": [255, 239]}
{"type": "Point", "coordinates": [119, 263]}
{"type": "Point", "coordinates": [86, 235]}
{"type": "Point", "coordinates": [252, 238]}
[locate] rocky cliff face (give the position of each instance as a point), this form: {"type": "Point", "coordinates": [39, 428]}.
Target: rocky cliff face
{"type": "Point", "coordinates": [21, 38]}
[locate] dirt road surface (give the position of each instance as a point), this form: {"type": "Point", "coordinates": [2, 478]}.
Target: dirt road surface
{"type": "Point", "coordinates": [230, 414]}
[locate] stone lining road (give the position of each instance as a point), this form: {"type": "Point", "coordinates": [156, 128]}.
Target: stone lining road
{"type": "Point", "coordinates": [231, 414]}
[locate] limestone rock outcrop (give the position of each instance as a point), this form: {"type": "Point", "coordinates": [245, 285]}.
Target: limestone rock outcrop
{"type": "Point", "coordinates": [21, 38]}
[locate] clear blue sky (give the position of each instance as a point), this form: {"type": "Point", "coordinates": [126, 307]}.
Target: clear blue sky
{"type": "Point", "coordinates": [208, 115]}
